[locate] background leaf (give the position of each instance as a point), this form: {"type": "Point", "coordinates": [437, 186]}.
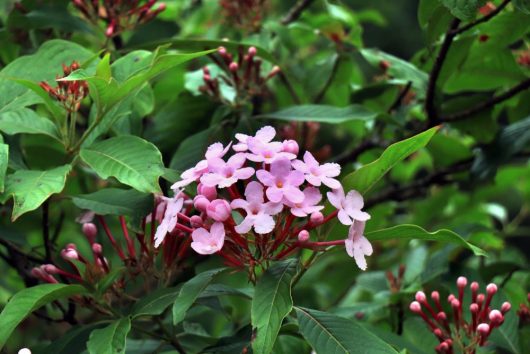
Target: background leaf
{"type": "Point", "coordinates": [111, 339]}
{"type": "Point", "coordinates": [27, 121]}
{"type": "Point", "coordinates": [464, 9]}
{"type": "Point", "coordinates": [114, 201]}
{"type": "Point", "coordinates": [322, 113]}
{"type": "Point", "coordinates": [4, 161]}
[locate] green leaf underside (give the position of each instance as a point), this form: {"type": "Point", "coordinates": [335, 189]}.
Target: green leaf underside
{"type": "Point", "coordinates": [111, 339]}
{"type": "Point", "coordinates": [4, 161]}
{"type": "Point", "coordinates": [114, 201]}
{"type": "Point", "coordinates": [368, 175]}
{"type": "Point", "coordinates": [322, 113]}
{"type": "Point", "coordinates": [271, 303]}
{"type": "Point", "coordinates": [328, 333]}
{"type": "Point", "coordinates": [27, 121]}
{"type": "Point", "coordinates": [189, 293]}
{"type": "Point", "coordinates": [131, 160]}
{"type": "Point", "coordinates": [28, 300]}
{"type": "Point", "coordinates": [31, 188]}
{"type": "Point", "coordinates": [409, 232]}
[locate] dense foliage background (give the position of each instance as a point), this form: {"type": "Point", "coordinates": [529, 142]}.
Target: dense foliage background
{"type": "Point", "coordinates": [435, 91]}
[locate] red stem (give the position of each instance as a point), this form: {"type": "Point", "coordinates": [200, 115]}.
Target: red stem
{"type": "Point", "coordinates": [130, 245]}
{"type": "Point", "coordinates": [111, 238]}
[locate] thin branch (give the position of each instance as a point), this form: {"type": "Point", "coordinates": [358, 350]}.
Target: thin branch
{"type": "Point", "coordinates": [525, 85]}
{"type": "Point", "coordinates": [400, 97]}
{"type": "Point", "coordinates": [482, 19]}
{"type": "Point", "coordinates": [12, 248]}
{"type": "Point", "coordinates": [330, 80]}
{"type": "Point", "coordinates": [295, 12]}
{"type": "Point", "coordinates": [430, 106]}
{"type": "Point", "coordinates": [46, 231]}
{"type": "Point", "coordinates": [289, 87]}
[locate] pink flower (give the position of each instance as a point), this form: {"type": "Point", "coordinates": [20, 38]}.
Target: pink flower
{"type": "Point", "coordinates": [309, 205]}
{"type": "Point", "coordinates": [173, 207]}
{"type": "Point", "coordinates": [358, 246]}
{"type": "Point", "coordinates": [267, 152]}
{"type": "Point", "coordinates": [265, 135]}
{"type": "Point", "coordinates": [219, 210]}
{"type": "Point", "coordinates": [224, 174]}
{"type": "Point", "coordinates": [208, 242]}
{"type": "Point", "coordinates": [290, 146]}
{"type": "Point", "coordinates": [282, 182]}
{"type": "Point", "coordinates": [259, 214]}
{"type": "Point", "coordinates": [317, 174]}
{"type": "Point", "coordinates": [349, 206]}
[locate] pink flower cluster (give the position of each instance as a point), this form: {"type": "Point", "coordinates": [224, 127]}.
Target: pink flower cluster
{"type": "Point", "coordinates": [461, 333]}
{"type": "Point", "coordinates": [261, 203]}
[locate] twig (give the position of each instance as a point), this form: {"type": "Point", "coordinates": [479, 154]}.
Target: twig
{"type": "Point", "coordinates": [400, 97]}
{"type": "Point", "coordinates": [482, 19]}
{"type": "Point", "coordinates": [295, 12]}
{"type": "Point", "coordinates": [46, 231]}
{"type": "Point", "coordinates": [332, 75]}
{"type": "Point", "coordinates": [289, 87]}
{"type": "Point", "coordinates": [430, 106]}
{"type": "Point", "coordinates": [488, 104]}
{"type": "Point", "coordinates": [11, 247]}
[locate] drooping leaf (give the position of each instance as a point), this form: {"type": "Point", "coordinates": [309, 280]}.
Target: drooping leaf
{"type": "Point", "coordinates": [27, 121]}
{"type": "Point", "coordinates": [155, 302]}
{"type": "Point", "coordinates": [410, 232]}
{"type": "Point", "coordinates": [31, 188]}
{"type": "Point", "coordinates": [111, 339]}
{"type": "Point", "coordinates": [522, 5]}
{"type": "Point", "coordinates": [367, 176]}
{"type": "Point", "coordinates": [28, 300]}
{"type": "Point", "coordinates": [190, 291]}
{"type": "Point", "coordinates": [328, 333]}
{"type": "Point", "coordinates": [131, 160]}
{"type": "Point", "coordinates": [322, 113]}
{"type": "Point", "coordinates": [464, 9]}
{"type": "Point", "coordinates": [114, 201]}
{"type": "Point", "coordinates": [4, 161]}
{"type": "Point", "coordinates": [271, 303]}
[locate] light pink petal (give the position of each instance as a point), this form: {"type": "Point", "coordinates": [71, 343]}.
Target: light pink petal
{"type": "Point", "coordinates": [358, 215]}
{"type": "Point", "coordinates": [216, 164]}
{"type": "Point", "coordinates": [200, 235]}
{"type": "Point", "coordinates": [330, 182]}
{"type": "Point", "coordinates": [285, 155]}
{"type": "Point", "coordinates": [255, 158]}
{"type": "Point", "coordinates": [312, 196]}
{"type": "Point", "coordinates": [344, 218]}
{"type": "Point", "coordinates": [272, 208]}
{"type": "Point", "coordinates": [356, 230]}
{"type": "Point", "coordinates": [211, 179]}
{"type": "Point", "coordinates": [183, 183]}
{"type": "Point", "coordinates": [227, 182]}
{"type": "Point", "coordinates": [334, 199]}
{"type": "Point", "coordinates": [189, 173]}
{"type": "Point", "coordinates": [358, 255]}
{"type": "Point", "coordinates": [293, 194]}
{"type": "Point", "coordinates": [242, 138]}
{"type": "Point", "coordinates": [365, 246]}
{"type": "Point", "coordinates": [202, 248]}
{"type": "Point", "coordinates": [348, 244]}
{"type": "Point", "coordinates": [244, 173]}
{"type": "Point", "coordinates": [354, 200]}
{"type": "Point", "coordinates": [298, 212]}
{"type": "Point", "coordinates": [281, 168]}
{"type": "Point", "coordinates": [275, 194]}
{"type": "Point", "coordinates": [266, 178]}
{"type": "Point", "coordinates": [330, 169]}
{"type": "Point", "coordinates": [237, 160]}
{"type": "Point", "coordinates": [254, 193]}
{"type": "Point", "coordinates": [255, 145]}
{"type": "Point", "coordinates": [295, 178]}
{"type": "Point", "coordinates": [245, 225]}
{"type": "Point", "coordinates": [217, 232]}
{"type": "Point", "coordinates": [160, 234]}
{"type": "Point", "coordinates": [239, 204]}
{"type": "Point", "coordinates": [313, 180]}
{"type": "Point", "coordinates": [214, 150]}
{"type": "Point", "coordinates": [263, 223]}
{"type": "Point", "coordinates": [313, 209]}
{"type": "Point", "coordinates": [266, 134]}
{"type": "Point", "coordinates": [310, 160]}
{"type": "Point", "coordinates": [241, 147]}
{"type": "Point", "coordinates": [300, 166]}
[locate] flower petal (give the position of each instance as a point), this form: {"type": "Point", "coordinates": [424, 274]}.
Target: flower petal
{"type": "Point", "coordinates": [263, 224]}
{"type": "Point", "coordinates": [254, 193]}
{"type": "Point", "coordinates": [293, 194]}
{"type": "Point", "coordinates": [275, 194]}
{"type": "Point", "coordinates": [266, 178]}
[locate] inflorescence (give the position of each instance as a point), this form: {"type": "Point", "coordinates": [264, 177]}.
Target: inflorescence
{"type": "Point", "coordinates": [68, 93]}
{"type": "Point", "coordinates": [459, 332]}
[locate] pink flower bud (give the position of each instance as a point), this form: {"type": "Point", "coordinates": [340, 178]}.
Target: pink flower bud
{"type": "Point", "coordinates": [69, 254]}
{"type": "Point", "coordinates": [496, 317]}
{"type": "Point", "coordinates": [437, 332]}
{"type": "Point", "coordinates": [71, 245]}
{"type": "Point", "coordinates": [252, 51]}
{"type": "Point", "coordinates": [473, 308]}
{"type": "Point", "coordinates": [474, 286]}
{"type": "Point", "coordinates": [491, 289]}
{"type": "Point", "coordinates": [233, 67]}
{"type": "Point", "coordinates": [480, 298]}
{"type": "Point", "coordinates": [50, 268]}
{"type": "Point", "coordinates": [275, 70]}
{"type": "Point", "coordinates": [38, 273]}
{"type": "Point", "coordinates": [450, 298]}
{"type": "Point", "coordinates": [441, 316]}
{"type": "Point", "coordinates": [196, 221]}
{"type": "Point", "coordinates": [483, 329]}
{"type": "Point", "coordinates": [316, 218]}
{"type": "Point", "coordinates": [201, 203]}
{"type": "Point", "coordinates": [303, 236]}
{"type": "Point", "coordinates": [435, 296]}
{"type": "Point", "coordinates": [443, 347]}
{"type": "Point", "coordinates": [90, 230]}
{"type": "Point", "coordinates": [461, 282]}
{"type": "Point", "coordinates": [161, 7]}
{"type": "Point", "coordinates": [290, 146]}
{"type": "Point", "coordinates": [222, 50]}
{"type": "Point", "coordinates": [455, 303]}
{"type": "Point", "coordinates": [415, 307]}
{"type": "Point", "coordinates": [97, 248]}
{"type": "Point", "coordinates": [506, 306]}
{"type": "Point", "coordinates": [219, 210]}
{"type": "Point", "coordinates": [209, 192]}
{"type": "Point", "coordinates": [420, 297]}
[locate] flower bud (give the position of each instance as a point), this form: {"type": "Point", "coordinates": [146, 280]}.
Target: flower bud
{"type": "Point", "coordinates": [222, 51]}
{"type": "Point", "coordinates": [233, 67]}
{"type": "Point", "coordinates": [290, 146]}
{"type": "Point", "coordinates": [455, 303]}
{"type": "Point", "coordinates": [491, 289]}
{"type": "Point", "coordinates": [24, 351]}
{"type": "Point", "coordinates": [473, 308]}
{"type": "Point", "coordinates": [69, 254]}
{"type": "Point", "coordinates": [415, 307]}
{"type": "Point", "coordinates": [90, 230]}
{"type": "Point", "coordinates": [316, 218]}
{"type": "Point", "coordinates": [461, 282]}
{"type": "Point", "coordinates": [506, 306]}
{"type": "Point", "coordinates": [303, 236]}
{"type": "Point", "coordinates": [196, 221]}
{"type": "Point", "coordinates": [209, 192]}
{"type": "Point", "coordinates": [474, 286]}
{"type": "Point", "coordinates": [219, 210]}
{"type": "Point", "coordinates": [201, 203]}
{"type": "Point", "coordinates": [435, 296]}
{"type": "Point", "coordinates": [496, 317]}
{"type": "Point", "coordinates": [50, 268]}
{"type": "Point", "coordinates": [420, 297]}
{"type": "Point", "coordinates": [441, 316]}
{"type": "Point", "coordinates": [97, 248]}
{"type": "Point", "coordinates": [483, 329]}
{"type": "Point", "coordinates": [480, 298]}
{"type": "Point", "coordinates": [252, 51]}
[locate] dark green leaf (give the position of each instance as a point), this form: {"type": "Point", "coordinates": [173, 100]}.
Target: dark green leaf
{"type": "Point", "coordinates": [155, 303]}
{"type": "Point", "coordinates": [111, 339]}
{"type": "Point", "coordinates": [25, 120]}
{"type": "Point", "coordinates": [4, 161]}
{"type": "Point", "coordinates": [464, 9]}
{"type": "Point", "coordinates": [522, 5]}
{"type": "Point", "coordinates": [113, 201]}
{"type": "Point", "coordinates": [322, 113]}
{"type": "Point", "coordinates": [191, 150]}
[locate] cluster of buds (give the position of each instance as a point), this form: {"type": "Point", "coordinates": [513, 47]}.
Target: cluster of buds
{"type": "Point", "coordinates": [246, 14]}
{"type": "Point", "coordinates": [243, 75]}
{"type": "Point", "coordinates": [461, 333]}
{"type": "Point", "coordinates": [523, 58]}
{"type": "Point", "coordinates": [307, 133]}
{"type": "Point", "coordinates": [137, 254]}
{"type": "Point", "coordinates": [68, 93]}
{"type": "Point", "coordinates": [487, 8]}
{"type": "Point", "coordinates": [524, 312]}
{"type": "Point", "coordinates": [395, 282]}
{"type": "Point", "coordinates": [261, 204]}
{"type": "Point", "coordinates": [118, 15]}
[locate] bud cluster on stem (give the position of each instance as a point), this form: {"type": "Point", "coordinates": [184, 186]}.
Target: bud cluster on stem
{"type": "Point", "coordinates": [68, 93]}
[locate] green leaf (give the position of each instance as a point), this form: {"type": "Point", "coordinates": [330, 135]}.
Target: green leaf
{"type": "Point", "coordinates": [4, 161]}
{"type": "Point", "coordinates": [191, 150]}
{"type": "Point", "coordinates": [31, 188]}
{"type": "Point", "coordinates": [322, 113]}
{"type": "Point", "coordinates": [114, 201]}
{"type": "Point", "coordinates": [410, 232]}
{"type": "Point", "coordinates": [27, 121]}
{"type": "Point", "coordinates": [522, 5]}
{"type": "Point", "coordinates": [28, 300]}
{"type": "Point", "coordinates": [131, 160]}
{"type": "Point", "coordinates": [156, 302]}
{"type": "Point", "coordinates": [111, 339]}
{"type": "Point", "coordinates": [271, 303]}
{"type": "Point", "coordinates": [328, 333]}
{"type": "Point", "coordinates": [189, 293]}
{"type": "Point", "coordinates": [57, 112]}
{"type": "Point", "coordinates": [464, 9]}
{"type": "Point", "coordinates": [367, 176]}
{"type": "Point", "coordinates": [73, 341]}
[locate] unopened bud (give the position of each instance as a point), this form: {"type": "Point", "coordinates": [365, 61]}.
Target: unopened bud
{"type": "Point", "coordinates": [90, 230]}
{"type": "Point", "coordinates": [50, 268]}
{"type": "Point", "coordinates": [222, 51]}
{"type": "Point", "coordinates": [441, 316]}
{"type": "Point", "coordinates": [455, 303]}
{"type": "Point", "coordinates": [450, 298]}
{"type": "Point", "coordinates": [506, 306]}
{"type": "Point", "coordinates": [435, 296]}
{"type": "Point", "coordinates": [290, 146]}
{"type": "Point", "coordinates": [461, 282]}
{"type": "Point", "coordinates": [496, 317]}
{"type": "Point", "coordinates": [473, 308]}
{"type": "Point", "coordinates": [483, 329]}
{"type": "Point", "coordinates": [252, 51]}
{"type": "Point", "coordinates": [69, 254]}
{"type": "Point", "coordinates": [201, 203]}
{"type": "Point", "coordinates": [415, 307]}
{"type": "Point", "coordinates": [474, 286]}
{"type": "Point", "coordinates": [209, 192]}
{"type": "Point", "coordinates": [316, 218]}
{"type": "Point", "coordinates": [303, 236]}
{"type": "Point", "coordinates": [97, 248]}
{"type": "Point", "coordinates": [219, 210]}
{"type": "Point", "coordinates": [196, 221]}
{"type": "Point", "coordinates": [420, 297]}
{"type": "Point", "coordinates": [491, 289]}
{"type": "Point", "coordinates": [233, 67]}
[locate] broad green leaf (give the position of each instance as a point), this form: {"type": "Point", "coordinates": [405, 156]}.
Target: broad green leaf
{"type": "Point", "coordinates": [131, 160]}
{"type": "Point", "coordinates": [114, 201]}
{"type": "Point", "coordinates": [464, 9]}
{"type": "Point", "coordinates": [27, 121]}
{"type": "Point", "coordinates": [44, 65]}
{"type": "Point", "coordinates": [522, 5]}
{"type": "Point", "coordinates": [322, 113]}
{"type": "Point", "coordinates": [328, 333]}
{"type": "Point", "coordinates": [31, 188]}
{"type": "Point", "coordinates": [73, 341]}
{"type": "Point", "coordinates": [191, 150]}
{"type": "Point", "coordinates": [189, 293]}
{"type": "Point", "coordinates": [507, 335]}
{"type": "Point", "coordinates": [367, 176]}
{"type": "Point", "coordinates": [28, 300]}
{"type": "Point", "coordinates": [426, 10]}
{"type": "Point", "coordinates": [111, 339]}
{"type": "Point", "coordinates": [410, 232]}
{"type": "Point", "coordinates": [4, 161]}
{"type": "Point", "coordinates": [215, 290]}
{"type": "Point", "coordinates": [271, 303]}
{"type": "Point", "coordinates": [156, 302]}
{"type": "Point", "coordinates": [57, 112]}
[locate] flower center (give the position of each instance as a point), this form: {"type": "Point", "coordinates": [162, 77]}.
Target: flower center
{"type": "Point", "coordinates": [279, 184]}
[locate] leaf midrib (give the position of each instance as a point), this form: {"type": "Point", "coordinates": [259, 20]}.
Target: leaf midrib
{"type": "Point", "coordinates": [325, 329]}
